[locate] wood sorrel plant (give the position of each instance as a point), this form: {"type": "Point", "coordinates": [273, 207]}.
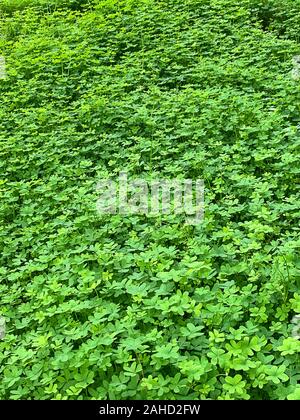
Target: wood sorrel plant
{"type": "Point", "coordinates": [134, 306]}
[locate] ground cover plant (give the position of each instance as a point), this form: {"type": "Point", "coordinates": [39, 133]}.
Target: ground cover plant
{"type": "Point", "coordinates": [137, 307]}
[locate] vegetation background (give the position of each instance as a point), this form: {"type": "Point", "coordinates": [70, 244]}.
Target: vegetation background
{"type": "Point", "coordinates": [114, 307]}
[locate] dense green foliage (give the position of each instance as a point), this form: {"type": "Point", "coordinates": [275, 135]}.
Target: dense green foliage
{"type": "Point", "coordinates": [137, 307]}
